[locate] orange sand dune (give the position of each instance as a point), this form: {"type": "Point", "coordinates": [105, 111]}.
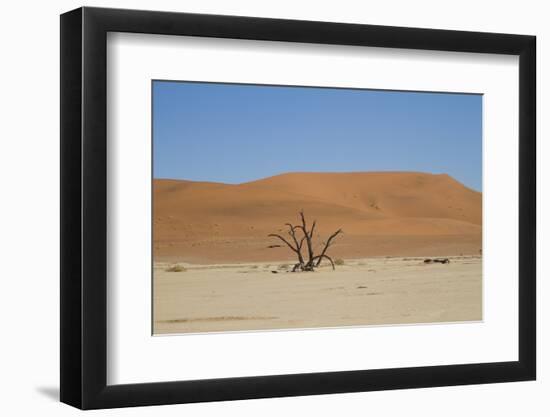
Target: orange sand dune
{"type": "Point", "coordinates": [382, 214]}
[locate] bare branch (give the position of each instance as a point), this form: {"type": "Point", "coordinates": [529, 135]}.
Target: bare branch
{"type": "Point", "coordinates": [303, 220]}
{"type": "Point", "coordinates": [319, 258]}
{"type": "Point", "coordinates": [292, 233]}
{"type": "Point", "coordinates": [327, 244]}
{"type": "Point", "coordinates": [284, 240]}
{"type": "Point", "coordinates": [332, 236]}
{"type": "Point", "coordinates": [312, 228]}
{"type": "Point", "coordinates": [291, 227]}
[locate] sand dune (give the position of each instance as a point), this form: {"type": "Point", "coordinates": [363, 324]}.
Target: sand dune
{"type": "Point", "coordinates": [382, 213]}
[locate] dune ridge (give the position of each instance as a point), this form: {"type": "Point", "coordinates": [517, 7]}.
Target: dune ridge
{"type": "Point", "coordinates": [382, 214]}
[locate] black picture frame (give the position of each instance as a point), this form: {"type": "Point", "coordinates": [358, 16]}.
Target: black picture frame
{"type": "Point", "coordinates": [84, 208]}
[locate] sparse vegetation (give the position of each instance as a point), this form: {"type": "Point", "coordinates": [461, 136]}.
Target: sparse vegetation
{"type": "Point", "coordinates": [300, 234]}
{"type": "Point", "coordinates": [339, 262]}
{"type": "Point", "coordinates": [437, 260]}
{"type": "Point", "coordinates": [175, 268]}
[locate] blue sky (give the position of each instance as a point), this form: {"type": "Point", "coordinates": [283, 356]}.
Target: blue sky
{"type": "Point", "coordinates": [237, 133]}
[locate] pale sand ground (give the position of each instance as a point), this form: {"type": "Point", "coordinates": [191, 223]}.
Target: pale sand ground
{"type": "Point", "coordinates": [370, 291]}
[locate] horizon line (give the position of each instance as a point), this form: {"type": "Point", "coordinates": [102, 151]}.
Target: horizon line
{"type": "Point", "coordinates": [317, 173]}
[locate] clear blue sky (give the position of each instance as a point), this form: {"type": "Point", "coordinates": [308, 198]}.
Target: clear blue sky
{"type": "Point", "coordinates": [236, 133]}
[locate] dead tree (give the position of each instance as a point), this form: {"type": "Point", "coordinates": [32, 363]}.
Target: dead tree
{"type": "Point", "coordinates": [298, 235]}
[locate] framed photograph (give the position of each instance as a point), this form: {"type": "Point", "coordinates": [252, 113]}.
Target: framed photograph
{"type": "Point", "coordinates": [259, 208]}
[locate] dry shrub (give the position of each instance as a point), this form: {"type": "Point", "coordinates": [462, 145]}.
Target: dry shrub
{"type": "Point", "coordinates": [176, 268]}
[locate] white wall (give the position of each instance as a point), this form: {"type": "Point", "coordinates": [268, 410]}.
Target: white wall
{"type": "Point", "coordinates": [29, 261]}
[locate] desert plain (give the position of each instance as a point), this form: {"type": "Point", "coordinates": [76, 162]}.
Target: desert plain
{"type": "Point", "coordinates": [216, 269]}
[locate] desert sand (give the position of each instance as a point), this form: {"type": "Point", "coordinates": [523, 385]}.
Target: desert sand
{"type": "Point", "coordinates": [371, 291]}
{"type": "Point", "coordinates": [381, 213]}
{"type": "Point", "coordinates": [234, 279]}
